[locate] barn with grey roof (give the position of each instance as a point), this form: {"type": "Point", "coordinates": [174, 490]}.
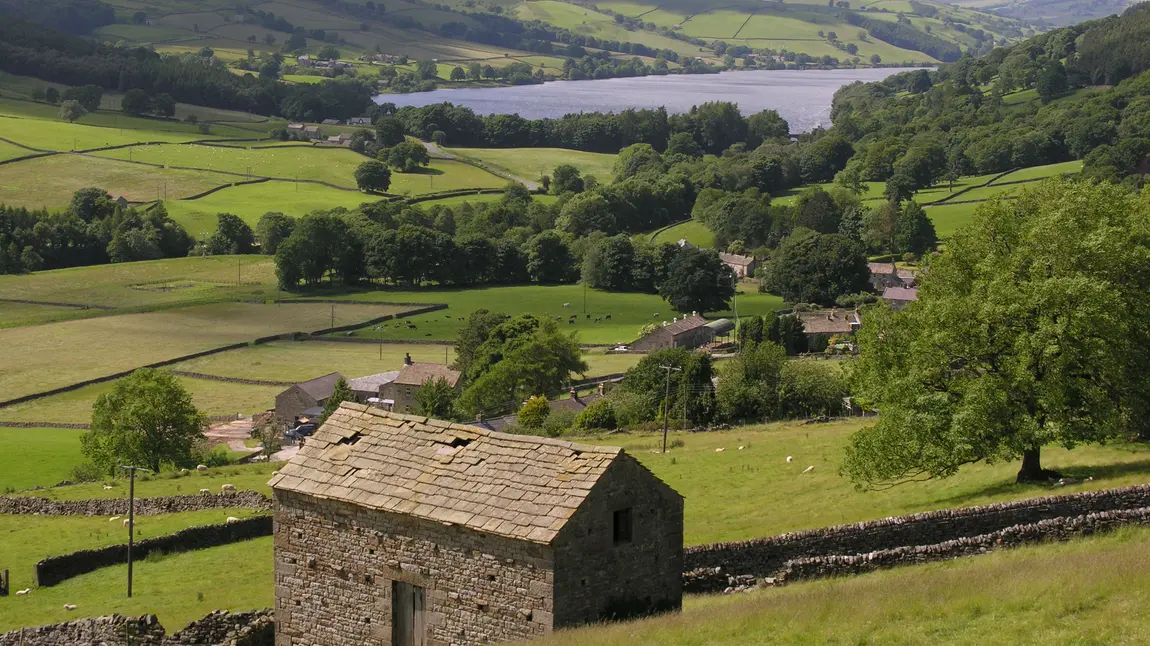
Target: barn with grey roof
{"type": "Point", "coordinates": [397, 529]}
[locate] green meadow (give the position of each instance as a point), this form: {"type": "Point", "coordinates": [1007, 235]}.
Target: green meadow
{"type": "Point", "coordinates": [692, 231]}
{"type": "Point", "coordinates": [533, 163]}
{"type": "Point", "coordinates": [37, 456]}
{"type": "Point", "coordinates": [252, 201]}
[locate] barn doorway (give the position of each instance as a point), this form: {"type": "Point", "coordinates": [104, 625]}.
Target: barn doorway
{"type": "Point", "coordinates": [408, 619]}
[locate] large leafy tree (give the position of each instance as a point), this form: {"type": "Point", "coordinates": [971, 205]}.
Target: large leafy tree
{"type": "Point", "coordinates": [148, 419]}
{"type": "Point", "coordinates": [697, 281]}
{"type": "Point", "coordinates": [232, 236]}
{"type": "Point", "coordinates": [435, 398]}
{"type": "Point", "coordinates": [473, 334]}
{"type": "Point", "coordinates": [373, 177]}
{"type": "Point", "coordinates": [814, 268]}
{"type": "Point", "coordinates": [1032, 329]}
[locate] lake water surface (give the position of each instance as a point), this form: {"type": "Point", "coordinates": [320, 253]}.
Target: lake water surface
{"type": "Point", "coordinates": [802, 97]}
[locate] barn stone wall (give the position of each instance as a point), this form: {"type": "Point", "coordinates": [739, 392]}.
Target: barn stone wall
{"type": "Point", "coordinates": [291, 402]}
{"type": "Point", "coordinates": [595, 578]}
{"type": "Point", "coordinates": [144, 506]}
{"type": "Point", "coordinates": [335, 563]}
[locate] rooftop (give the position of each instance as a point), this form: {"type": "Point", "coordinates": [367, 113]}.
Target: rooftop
{"type": "Point", "coordinates": [321, 388]}
{"type": "Point", "coordinates": [828, 321]}
{"type": "Point", "coordinates": [371, 383]}
{"type": "Point", "coordinates": [900, 294]}
{"type": "Point", "coordinates": [735, 259]}
{"type": "Point", "coordinates": [517, 486]}
{"type": "Point", "coordinates": [881, 268]}
{"type": "Point", "coordinates": [415, 374]}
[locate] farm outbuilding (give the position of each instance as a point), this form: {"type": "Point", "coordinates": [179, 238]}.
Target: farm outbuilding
{"type": "Point", "coordinates": [403, 389]}
{"type": "Point", "coordinates": [395, 529]}
{"type": "Point", "coordinates": [292, 403]}
{"type": "Point", "coordinates": [687, 332]}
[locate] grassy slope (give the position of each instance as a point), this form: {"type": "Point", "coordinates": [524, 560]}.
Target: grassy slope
{"type": "Point", "coordinates": [132, 284]}
{"type": "Point", "coordinates": [37, 456]}
{"type": "Point", "coordinates": [629, 312]}
{"type": "Point", "coordinates": [179, 588]}
{"type": "Point", "coordinates": [57, 354]}
{"type": "Point", "coordinates": [692, 231]}
{"type": "Point", "coordinates": [1091, 591]}
{"type": "Point", "coordinates": [531, 163]}
{"type": "Point", "coordinates": [251, 201]}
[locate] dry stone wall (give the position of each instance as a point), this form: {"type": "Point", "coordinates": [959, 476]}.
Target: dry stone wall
{"type": "Point", "coordinates": [764, 557]}
{"type": "Point", "coordinates": [220, 628]}
{"type": "Point", "coordinates": [55, 569]}
{"type": "Point", "coordinates": [144, 506]}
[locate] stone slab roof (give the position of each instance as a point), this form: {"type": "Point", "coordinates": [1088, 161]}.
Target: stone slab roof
{"type": "Point", "coordinates": [371, 383]}
{"type": "Point", "coordinates": [516, 486]}
{"type": "Point", "coordinates": [827, 321]}
{"type": "Point", "coordinates": [735, 259]}
{"type": "Point", "coordinates": [900, 294]}
{"type": "Point", "coordinates": [321, 388]}
{"type": "Point", "coordinates": [881, 268]}
{"type": "Point", "coordinates": [416, 374]}
{"type": "Point", "coordinates": [685, 324]}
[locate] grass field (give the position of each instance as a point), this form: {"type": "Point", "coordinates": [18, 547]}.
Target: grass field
{"type": "Point", "coordinates": [458, 200]}
{"type": "Point", "coordinates": [8, 151]}
{"type": "Point", "coordinates": [692, 231]}
{"type": "Point", "coordinates": [532, 163]}
{"type": "Point", "coordinates": [251, 201]}
{"type": "Point", "coordinates": [17, 314]}
{"type": "Point", "coordinates": [179, 588]}
{"type": "Point", "coordinates": [948, 218]}
{"type": "Point", "coordinates": [37, 456]}
{"type": "Point", "coordinates": [628, 311]}
{"type": "Point", "coordinates": [332, 165]}
{"type": "Point", "coordinates": [51, 181]}
{"type": "Point", "coordinates": [247, 477]}
{"type": "Point", "coordinates": [1042, 172]}
{"type": "Point", "coordinates": [1089, 591]}
{"type": "Point", "coordinates": [443, 175]}
{"type": "Point", "coordinates": [143, 284]}
{"type": "Point", "coordinates": [56, 354]}
{"type": "Point", "coordinates": [589, 22]}
{"type": "Point", "coordinates": [211, 397]}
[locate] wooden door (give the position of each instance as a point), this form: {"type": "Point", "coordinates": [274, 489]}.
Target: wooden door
{"type": "Point", "coordinates": [408, 623]}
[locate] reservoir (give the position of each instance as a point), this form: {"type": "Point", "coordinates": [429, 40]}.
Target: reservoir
{"type": "Point", "coordinates": [802, 97]}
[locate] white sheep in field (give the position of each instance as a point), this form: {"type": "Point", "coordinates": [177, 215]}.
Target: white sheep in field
{"type": "Point", "coordinates": [201, 468]}
{"type": "Point", "coordinates": [740, 448]}
{"type": "Point", "coordinates": [69, 606]}
{"type": "Point", "coordinates": [106, 487]}
{"type": "Point", "coordinates": [227, 487]}
{"type": "Point", "coordinates": [719, 450]}
{"type": "Point", "coordinates": [809, 469]}
{"type": "Point", "coordinates": [127, 521]}
{"type": "Point", "coordinates": [205, 491]}
{"type": "Point", "coordinates": [23, 592]}
{"type": "Point", "coordinates": [232, 519]}
{"type": "Point", "coordinates": [183, 472]}
{"type": "Point", "coordinates": [789, 459]}
{"type": "Point", "coordinates": [113, 518]}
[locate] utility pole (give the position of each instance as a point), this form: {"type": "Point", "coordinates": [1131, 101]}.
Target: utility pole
{"type": "Point", "coordinates": [666, 402]}
{"type": "Point", "coordinates": [239, 282]}
{"type": "Point", "coordinates": [131, 516]}
{"type": "Point", "coordinates": [380, 328]}
{"type": "Point", "coordinates": [331, 330]}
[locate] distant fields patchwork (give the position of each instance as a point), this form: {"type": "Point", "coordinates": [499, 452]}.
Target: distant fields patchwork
{"type": "Point", "coordinates": [57, 354]}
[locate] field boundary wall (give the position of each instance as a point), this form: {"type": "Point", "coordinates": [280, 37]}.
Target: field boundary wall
{"type": "Point", "coordinates": [36, 505]}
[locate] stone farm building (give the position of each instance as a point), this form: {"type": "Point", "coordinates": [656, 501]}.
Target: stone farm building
{"type": "Point", "coordinates": [410, 379]}
{"type": "Point", "coordinates": [687, 332]}
{"type": "Point", "coordinates": [829, 323]}
{"type": "Point", "coordinates": [292, 402]}
{"type": "Point", "coordinates": [899, 297]}
{"type": "Point", "coordinates": [743, 266]}
{"type": "Point", "coordinates": [395, 529]}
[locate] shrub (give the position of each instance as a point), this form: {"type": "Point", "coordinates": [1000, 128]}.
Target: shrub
{"type": "Point", "coordinates": [210, 455]}
{"type": "Point", "coordinates": [599, 415]}
{"type": "Point", "coordinates": [85, 472]}
{"type": "Point", "coordinates": [534, 412]}
{"type": "Point", "coordinates": [558, 423]}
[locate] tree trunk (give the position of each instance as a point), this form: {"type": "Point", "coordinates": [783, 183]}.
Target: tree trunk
{"type": "Point", "coordinates": [1032, 470]}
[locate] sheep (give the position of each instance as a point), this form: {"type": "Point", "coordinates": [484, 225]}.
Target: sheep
{"type": "Point", "coordinates": [789, 459]}
{"type": "Point", "coordinates": [113, 518]}
{"type": "Point", "coordinates": [566, 304]}
{"type": "Point", "coordinates": [809, 469]}
{"type": "Point", "coordinates": [23, 592]}
{"type": "Point", "coordinates": [655, 315]}
{"type": "Point", "coordinates": [227, 487]}
{"type": "Point", "coordinates": [69, 606]}
{"type": "Point", "coordinates": [275, 473]}
{"type": "Point", "coordinates": [232, 519]}
{"type": "Point", "coordinates": [106, 487]}
{"type": "Point", "coordinates": [720, 450]}
{"type": "Point", "coordinates": [740, 448]}
{"type": "Point", "coordinates": [201, 468]}
{"type": "Point", "coordinates": [127, 521]}
{"type": "Point", "coordinates": [206, 492]}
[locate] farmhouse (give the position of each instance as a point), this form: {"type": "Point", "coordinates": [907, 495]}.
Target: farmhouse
{"type": "Point", "coordinates": [292, 402]}
{"type": "Point", "coordinates": [411, 378]}
{"type": "Point", "coordinates": [883, 275]}
{"type": "Point", "coordinates": [688, 332]}
{"type": "Point", "coordinates": [829, 322]}
{"type": "Point", "coordinates": [312, 132]}
{"type": "Point", "coordinates": [743, 266]}
{"type": "Point", "coordinates": [369, 387]}
{"type": "Point", "coordinates": [394, 529]}
{"type": "Point", "coordinates": [899, 297]}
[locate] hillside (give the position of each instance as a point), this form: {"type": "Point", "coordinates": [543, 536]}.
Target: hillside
{"type": "Point", "coordinates": [526, 42]}
{"type": "Point", "coordinates": [1049, 13]}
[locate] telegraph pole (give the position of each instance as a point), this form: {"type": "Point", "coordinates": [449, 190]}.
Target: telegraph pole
{"type": "Point", "coordinates": [131, 516]}
{"type": "Point", "coordinates": [666, 402]}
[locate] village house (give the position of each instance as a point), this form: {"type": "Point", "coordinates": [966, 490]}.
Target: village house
{"type": "Point", "coordinates": [411, 378]}
{"type": "Point", "coordinates": [303, 61]}
{"type": "Point", "coordinates": [395, 529]}
{"type": "Point", "coordinates": [291, 403]}
{"type": "Point", "coordinates": [359, 121]}
{"type": "Point", "coordinates": [829, 323]}
{"type": "Point", "coordinates": [295, 128]}
{"type": "Point", "coordinates": [687, 332]}
{"type": "Point", "coordinates": [899, 297]}
{"type": "Point", "coordinates": [887, 274]}
{"type": "Point", "coordinates": [743, 266]}
{"type": "Point", "coordinates": [371, 386]}
{"type": "Point", "coordinates": [311, 132]}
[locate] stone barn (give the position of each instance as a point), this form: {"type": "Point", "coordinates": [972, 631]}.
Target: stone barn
{"type": "Point", "coordinates": [687, 332]}
{"type": "Point", "coordinates": [291, 403]}
{"type": "Point", "coordinates": [402, 530]}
